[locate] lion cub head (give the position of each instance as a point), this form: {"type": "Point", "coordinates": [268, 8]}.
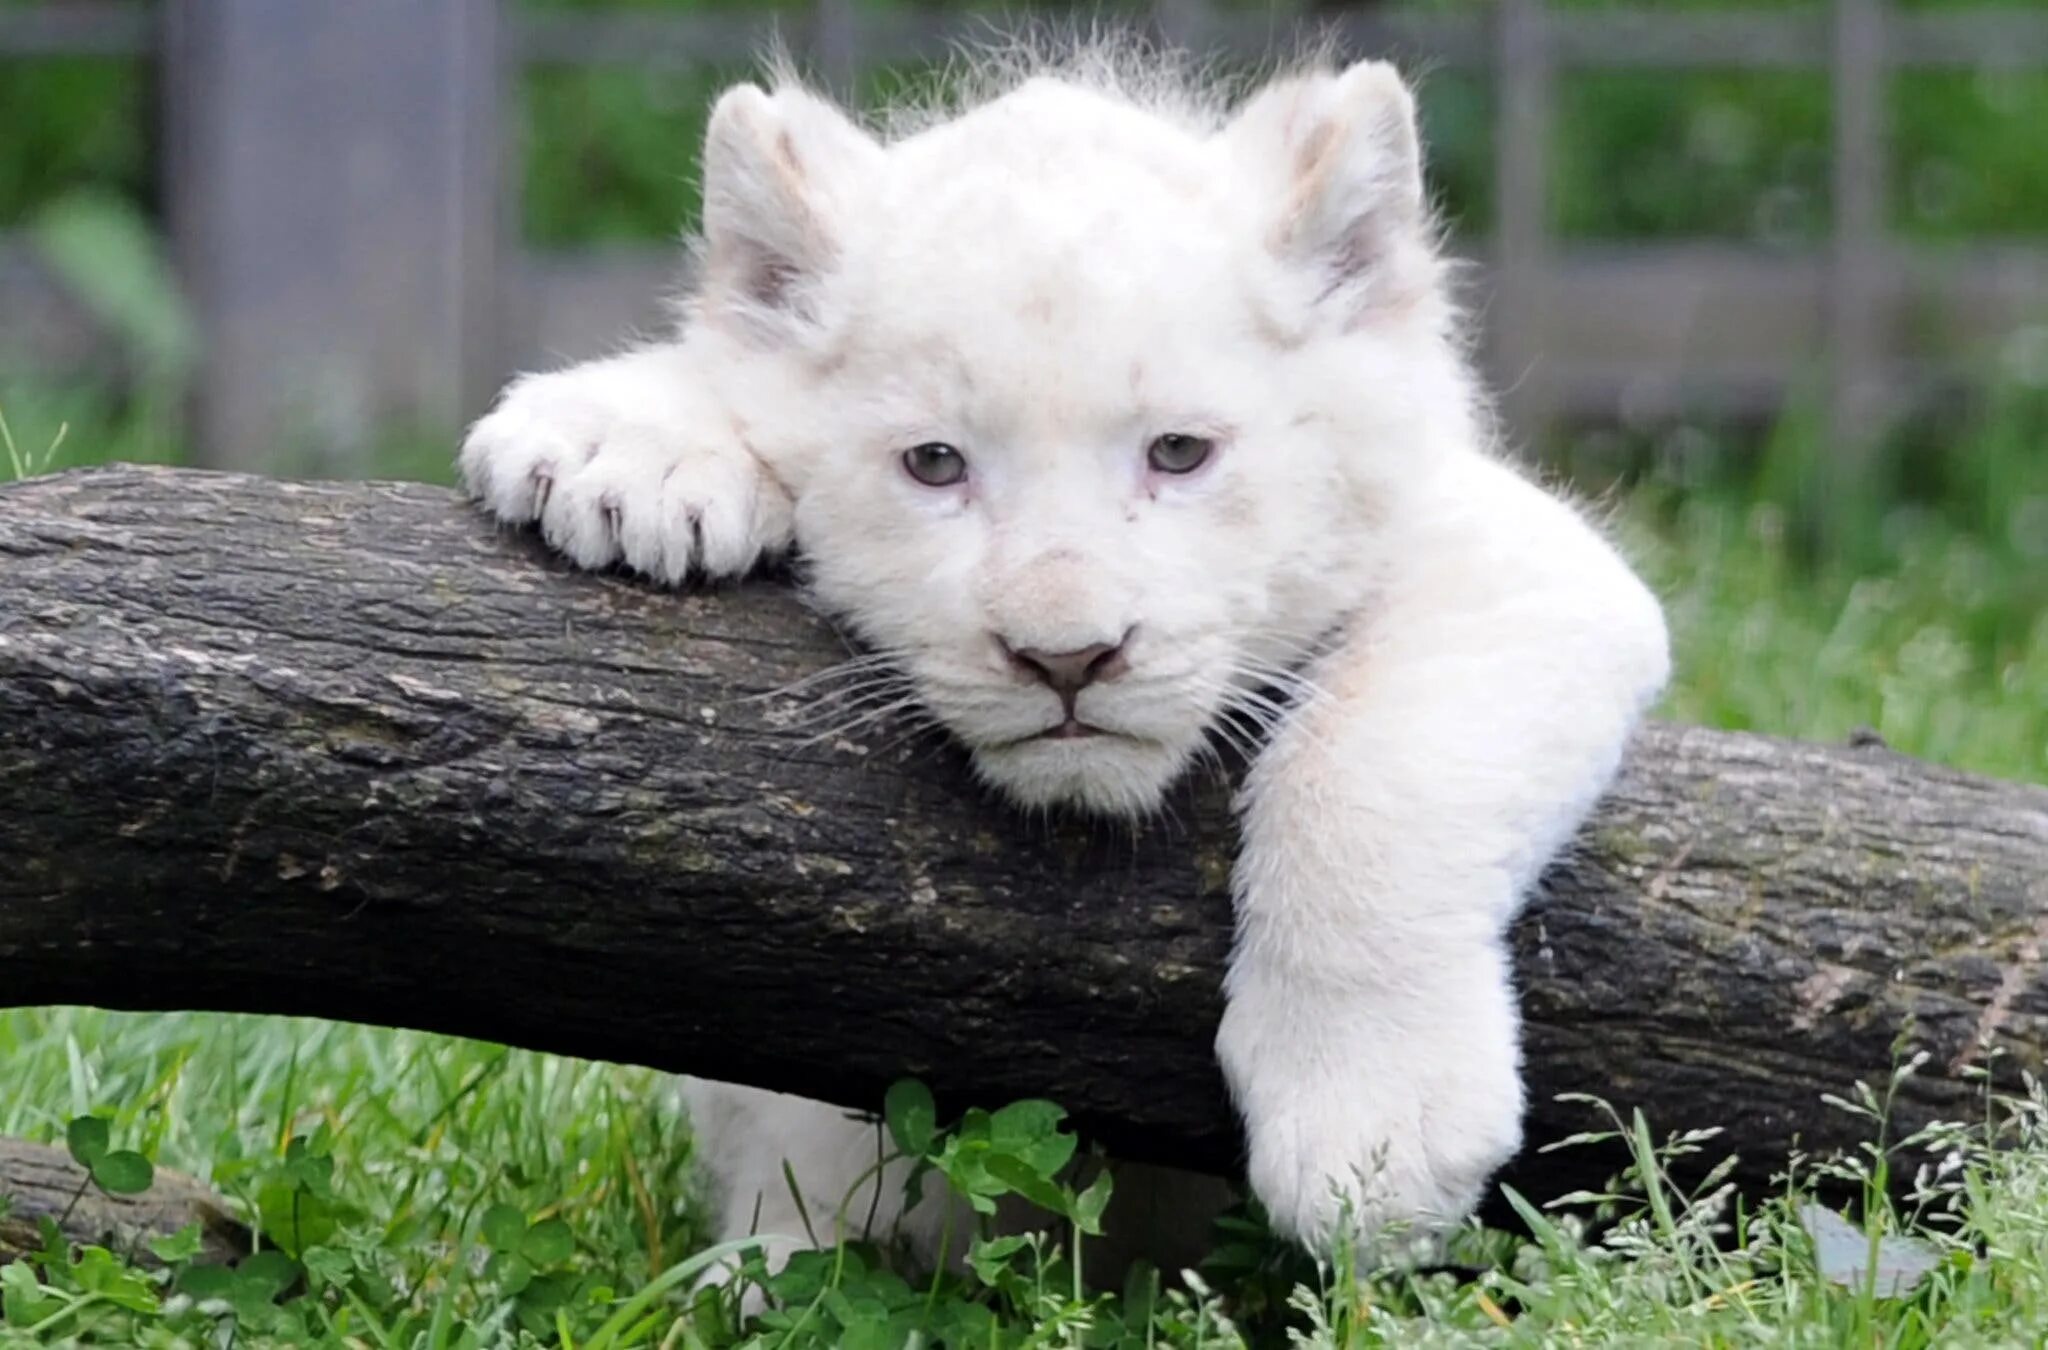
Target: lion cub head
{"type": "Point", "coordinates": [1097, 394]}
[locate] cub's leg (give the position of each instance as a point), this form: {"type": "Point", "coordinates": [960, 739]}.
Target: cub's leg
{"type": "Point", "coordinates": [1159, 1214]}
{"type": "Point", "coordinates": [631, 459]}
{"type": "Point", "coordinates": [754, 1142]}
{"type": "Point", "coordinates": [1462, 731]}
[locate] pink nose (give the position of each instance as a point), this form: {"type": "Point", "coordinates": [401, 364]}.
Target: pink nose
{"type": "Point", "coordinates": [1068, 673]}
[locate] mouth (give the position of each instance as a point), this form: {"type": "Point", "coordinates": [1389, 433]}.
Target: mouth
{"type": "Point", "coordinates": [1073, 729]}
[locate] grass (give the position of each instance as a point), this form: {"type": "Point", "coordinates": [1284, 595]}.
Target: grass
{"type": "Point", "coordinates": [427, 1192]}
{"type": "Point", "coordinates": [1914, 604]}
{"type": "Point", "coordinates": [428, 1133]}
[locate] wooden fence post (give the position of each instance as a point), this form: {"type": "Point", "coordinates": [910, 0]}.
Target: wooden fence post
{"type": "Point", "coordinates": [334, 211]}
{"type": "Point", "coordinates": [1524, 70]}
{"type": "Point", "coordinates": [1857, 341]}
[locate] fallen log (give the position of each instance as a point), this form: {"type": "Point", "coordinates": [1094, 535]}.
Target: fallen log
{"type": "Point", "coordinates": [38, 1182]}
{"type": "Point", "coordinates": [346, 750]}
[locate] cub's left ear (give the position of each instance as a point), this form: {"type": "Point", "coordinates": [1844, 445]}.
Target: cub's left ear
{"type": "Point", "coordinates": [1341, 163]}
{"type": "Point", "coordinates": [784, 176]}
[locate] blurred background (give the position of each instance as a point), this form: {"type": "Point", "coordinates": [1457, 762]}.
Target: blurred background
{"type": "Point", "coordinates": [1769, 278]}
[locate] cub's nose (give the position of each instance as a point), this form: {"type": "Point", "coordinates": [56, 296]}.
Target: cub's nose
{"type": "Point", "coordinates": [1068, 673]}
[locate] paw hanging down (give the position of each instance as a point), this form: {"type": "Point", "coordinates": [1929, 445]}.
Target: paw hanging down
{"type": "Point", "coordinates": [619, 461]}
{"type": "Point", "coordinates": [1364, 1124]}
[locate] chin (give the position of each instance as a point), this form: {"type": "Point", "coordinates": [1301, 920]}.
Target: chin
{"type": "Point", "coordinates": [1103, 775]}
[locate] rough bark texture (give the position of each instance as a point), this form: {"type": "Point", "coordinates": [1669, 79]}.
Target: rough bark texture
{"type": "Point", "coordinates": [346, 750]}
{"type": "Point", "coordinates": [39, 1182]}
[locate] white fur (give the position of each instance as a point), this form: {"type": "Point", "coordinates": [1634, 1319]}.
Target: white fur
{"type": "Point", "coordinates": [1090, 255]}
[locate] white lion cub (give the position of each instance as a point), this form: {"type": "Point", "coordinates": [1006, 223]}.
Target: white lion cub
{"type": "Point", "coordinates": [1105, 406]}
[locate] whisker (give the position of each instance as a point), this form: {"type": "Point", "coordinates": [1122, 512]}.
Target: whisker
{"type": "Point", "coordinates": [864, 663]}
{"type": "Point", "coordinates": [914, 730]}
{"type": "Point", "coordinates": [868, 696]}
{"type": "Point", "coordinates": [865, 719]}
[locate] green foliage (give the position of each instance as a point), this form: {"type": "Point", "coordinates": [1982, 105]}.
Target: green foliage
{"type": "Point", "coordinates": [1913, 602]}
{"type": "Point", "coordinates": [296, 1207]}
{"type": "Point", "coordinates": [1457, 111]}
{"type": "Point", "coordinates": [366, 1162]}
{"type": "Point", "coordinates": [612, 154]}
{"type": "Point", "coordinates": [1966, 155]}
{"type": "Point", "coordinates": [115, 1171]}
{"type": "Point", "coordinates": [113, 263]}
{"type": "Point", "coordinates": [529, 1263]}
{"type": "Point", "coordinates": [911, 1115]}
{"type": "Point", "coordinates": [19, 462]}
{"type": "Point", "coordinates": [1665, 155]}
{"type": "Point", "coordinates": [1666, 1253]}
{"type": "Point", "coordinates": [111, 260]}
{"type": "Point", "coordinates": [72, 122]}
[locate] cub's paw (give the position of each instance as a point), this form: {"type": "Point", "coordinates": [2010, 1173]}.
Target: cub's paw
{"type": "Point", "coordinates": [1390, 1144]}
{"type": "Point", "coordinates": [613, 479]}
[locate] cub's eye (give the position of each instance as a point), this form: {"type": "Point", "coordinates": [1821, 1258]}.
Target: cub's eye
{"type": "Point", "coordinates": [1175, 453]}
{"type": "Point", "coordinates": [935, 464]}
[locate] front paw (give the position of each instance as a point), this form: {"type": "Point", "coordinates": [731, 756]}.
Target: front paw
{"type": "Point", "coordinates": [608, 484]}
{"type": "Point", "coordinates": [1369, 1126]}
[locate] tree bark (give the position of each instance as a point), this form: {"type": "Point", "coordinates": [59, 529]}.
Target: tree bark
{"type": "Point", "coordinates": [346, 750]}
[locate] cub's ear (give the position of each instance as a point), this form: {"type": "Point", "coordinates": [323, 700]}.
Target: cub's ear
{"type": "Point", "coordinates": [779, 172]}
{"type": "Point", "coordinates": [1341, 162]}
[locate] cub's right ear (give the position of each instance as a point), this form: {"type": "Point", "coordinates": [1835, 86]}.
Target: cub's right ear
{"type": "Point", "coordinates": [780, 171]}
{"type": "Point", "coordinates": [1340, 162]}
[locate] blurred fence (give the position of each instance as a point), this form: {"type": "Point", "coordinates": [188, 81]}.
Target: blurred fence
{"type": "Point", "coordinates": [339, 199]}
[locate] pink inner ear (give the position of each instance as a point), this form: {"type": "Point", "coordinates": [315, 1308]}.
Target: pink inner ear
{"type": "Point", "coordinates": [769, 280]}
{"type": "Point", "coordinates": [1314, 150]}
{"type": "Point", "coordinates": [786, 158]}
{"type": "Point", "coordinates": [766, 254]}
{"type": "Point", "coordinates": [1352, 209]}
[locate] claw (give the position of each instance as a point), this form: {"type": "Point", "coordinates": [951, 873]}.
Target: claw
{"type": "Point", "coordinates": [669, 546]}
{"type": "Point", "coordinates": [543, 476]}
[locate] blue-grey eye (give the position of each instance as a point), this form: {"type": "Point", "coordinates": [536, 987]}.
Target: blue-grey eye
{"type": "Point", "coordinates": [1177, 453]}
{"type": "Point", "coordinates": [935, 464]}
